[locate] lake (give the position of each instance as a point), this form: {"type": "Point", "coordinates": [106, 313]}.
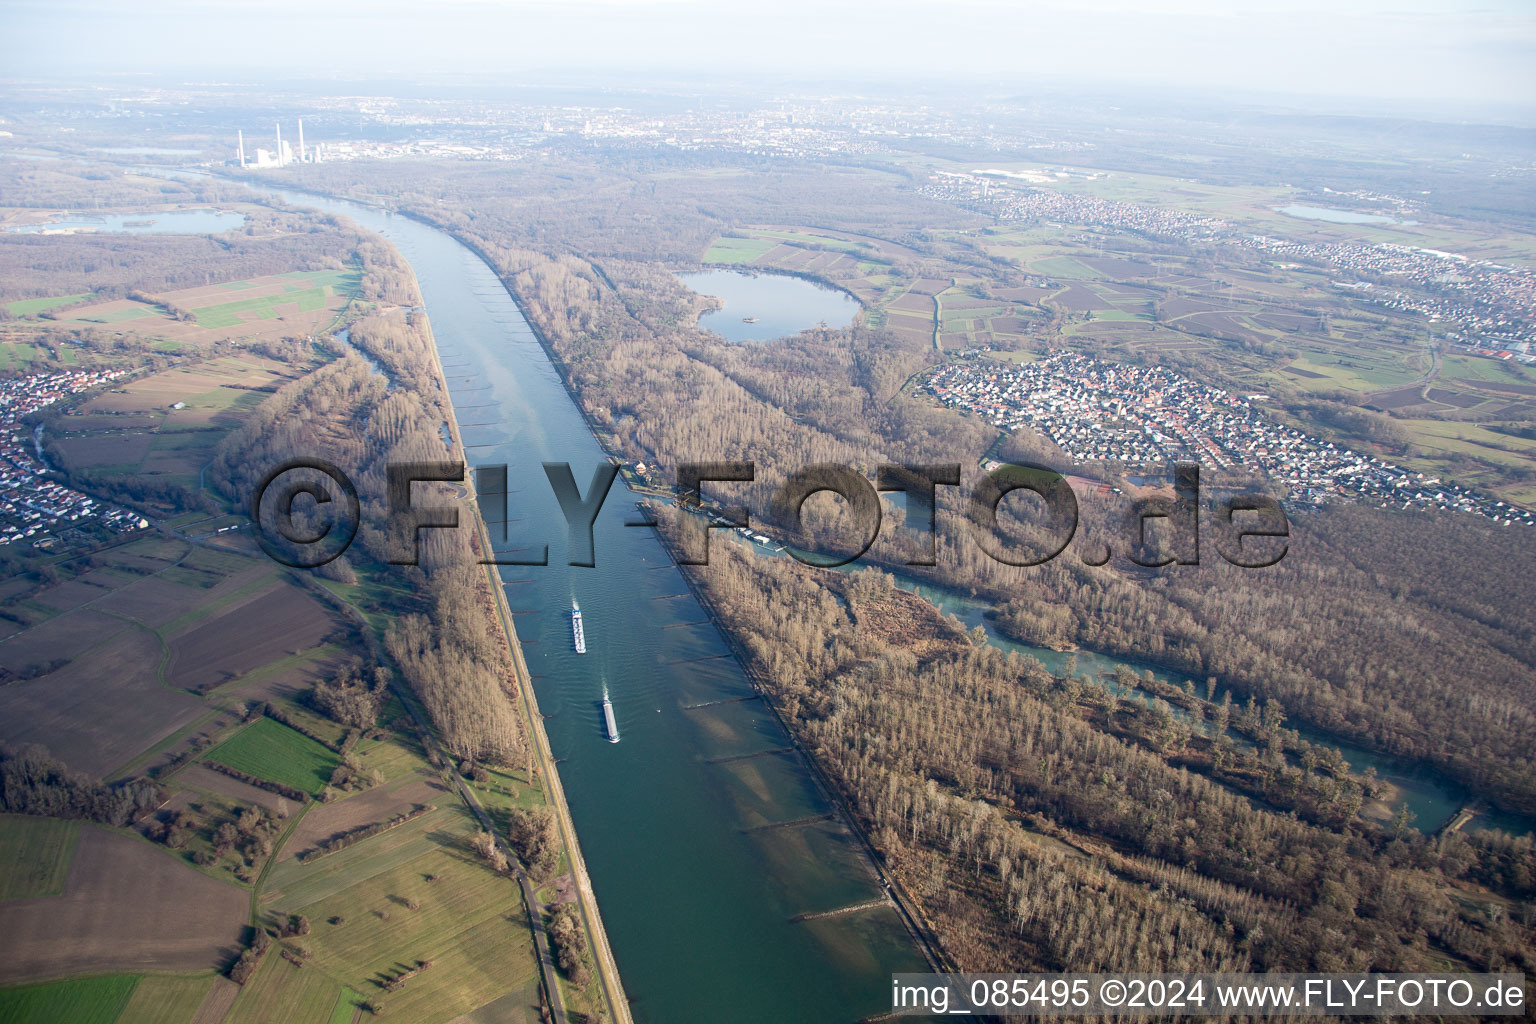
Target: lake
{"type": "Point", "coordinates": [1333, 216]}
{"type": "Point", "coordinates": [158, 222]}
{"type": "Point", "coordinates": [778, 304]}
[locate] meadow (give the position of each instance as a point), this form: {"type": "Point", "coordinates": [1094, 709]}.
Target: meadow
{"type": "Point", "coordinates": [77, 1001]}
{"type": "Point", "coordinates": [262, 307]}
{"type": "Point", "coordinates": [270, 750]}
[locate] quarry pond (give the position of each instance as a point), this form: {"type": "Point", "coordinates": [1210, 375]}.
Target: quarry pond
{"type": "Point", "coordinates": [760, 307]}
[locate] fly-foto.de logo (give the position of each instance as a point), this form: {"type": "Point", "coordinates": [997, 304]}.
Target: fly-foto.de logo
{"type": "Point", "coordinates": [307, 513]}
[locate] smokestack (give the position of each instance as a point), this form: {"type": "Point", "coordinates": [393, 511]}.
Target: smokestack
{"type": "Point", "coordinates": [279, 153]}
{"type": "Point", "coordinates": [301, 140]}
{"type": "Point", "coordinates": [240, 137]}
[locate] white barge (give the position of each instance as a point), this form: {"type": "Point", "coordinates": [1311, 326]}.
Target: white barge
{"type": "Point", "coordinates": [608, 722]}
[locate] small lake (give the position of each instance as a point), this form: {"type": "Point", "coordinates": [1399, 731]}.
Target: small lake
{"type": "Point", "coordinates": [1333, 216]}
{"type": "Point", "coordinates": [776, 304]}
{"type": "Point", "coordinates": [162, 222]}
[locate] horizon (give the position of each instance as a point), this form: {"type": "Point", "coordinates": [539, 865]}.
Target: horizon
{"type": "Point", "coordinates": [1424, 58]}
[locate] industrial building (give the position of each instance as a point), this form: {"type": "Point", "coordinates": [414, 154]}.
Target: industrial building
{"type": "Point", "coordinates": [281, 155]}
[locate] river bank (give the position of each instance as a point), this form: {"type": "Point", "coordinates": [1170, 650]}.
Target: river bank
{"type": "Point", "coordinates": [708, 916]}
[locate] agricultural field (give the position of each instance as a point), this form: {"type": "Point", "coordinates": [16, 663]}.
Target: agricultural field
{"type": "Point", "coordinates": [35, 854]}
{"type": "Point", "coordinates": [270, 750]}
{"type": "Point", "coordinates": [32, 307]}
{"type": "Point", "coordinates": [98, 708]}
{"type": "Point", "coordinates": [263, 308]}
{"type": "Point", "coordinates": [112, 999]}
{"type": "Point", "coordinates": [116, 700]}
{"type": "Point", "coordinates": [78, 1001]}
{"type": "Point", "coordinates": [168, 999]}
{"type": "Point", "coordinates": [233, 640]}
{"type": "Point", "coordinates": [467, 921]}
{"type": "Point", "coordinates": [127, 905]}
{"type": "Point", "coordinates": [165, 426]}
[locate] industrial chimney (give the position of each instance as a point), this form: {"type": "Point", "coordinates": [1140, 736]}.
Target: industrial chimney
{"type": "Point", "coordinates": [301, 140]}
{"type": "Point", "coordinates": [240, 136]}
{"type": "Point", "coordinates": [279, 153]}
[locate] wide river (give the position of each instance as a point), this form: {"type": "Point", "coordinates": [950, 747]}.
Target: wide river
{"type": "Point", "coordinates": [697, 908]}
{"type": "Point", "coordinates": [697, 904]}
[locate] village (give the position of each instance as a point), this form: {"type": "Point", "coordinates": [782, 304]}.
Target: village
{"type": "Point", "coordinates": [34, 508]}
{"type": "Point", "coordinates": [1150, 417]}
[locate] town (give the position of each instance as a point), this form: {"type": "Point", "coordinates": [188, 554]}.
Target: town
{"type": "Point", "coordinates": [1487, 307]}
{"type": "Point", "coordinates": [1150, 416]}
{"type": "Point", "coordinates": [33, 507]}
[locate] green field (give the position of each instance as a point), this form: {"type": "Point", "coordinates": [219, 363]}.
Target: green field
{"type": "Point", "coordinates": [229, 314]}
{"type": "Point", "coordinates": [1443, 437]}
{"type": "Point", "coordinates": [270, 750]}
{"type": "Point", "coordinates": [76, 1001]}
{"type": "Point", "coordinates": [738, 250]}
{"type": "Point", "coordinates": [16, 354]}
{"type": "Point", "coordinates": [346, 1007]}
{"type": "Point", "coordinates": [119, 316]}
{"type": "Point", "coordinates": [34, 855]}
{"type": "Point", "coordinates": [468, 922]}
{"type": "Point", "coordinates": [166, 999]}
{"type": "Point", "coordinates": [1495, 371]}
{"type": "Point", "coordinates": [322, 284]}
{"type": "Point", "coordinates": [32, 307]}
{"type": "Point", "coordinates": [1066, 268]}
{"type": "Point", "coordinates": [281, 992]}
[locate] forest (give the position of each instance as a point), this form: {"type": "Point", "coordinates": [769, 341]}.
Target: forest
{"type": "Point", "coordinates": [1038, 820]}
{"type": "Point", "coordinates": [1041, 821]}
{"type": "Point", "coordinates": [1371, 627]}
{"type": "Point", "coordinates": [450, 649]}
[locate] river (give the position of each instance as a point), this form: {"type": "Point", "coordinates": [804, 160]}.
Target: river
{"type": "Point", "coordinates": [698, 910]}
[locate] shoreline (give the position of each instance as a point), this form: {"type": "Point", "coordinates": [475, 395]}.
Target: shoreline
{"type": "Point", "coordinates": [554, 792]}
{"type": "Point", "coordinates": [602, 953]}
{"type": "Point", "coordinates": [925, 939]}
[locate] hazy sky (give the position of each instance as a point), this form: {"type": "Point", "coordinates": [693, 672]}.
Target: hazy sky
{"type": "Point", "coordinates": [1404, 49]}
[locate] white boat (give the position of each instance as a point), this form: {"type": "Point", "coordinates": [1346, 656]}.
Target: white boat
{"type": "Point", "coordinates": [576, 630]}
{"type": "Point", "coordinates": [608, 722]}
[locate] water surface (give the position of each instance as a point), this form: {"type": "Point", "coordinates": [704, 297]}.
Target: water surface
{"type": "Point", "coordinates": [157, 222]}
{"type": "Point", "coordinates": [698, 910]}
{"type": "Point", "coordinates": [779, 304]}
{"type": "Point", "coordinates": [1333, 216]}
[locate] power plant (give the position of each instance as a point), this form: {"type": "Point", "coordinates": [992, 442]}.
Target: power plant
{"type": "Point", "coordinates": [281, 155]}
